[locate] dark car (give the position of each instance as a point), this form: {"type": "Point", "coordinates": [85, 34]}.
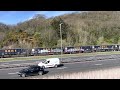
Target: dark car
{"type": "Point", "coordinates": [31, 70]}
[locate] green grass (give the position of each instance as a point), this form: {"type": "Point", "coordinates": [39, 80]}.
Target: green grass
{"type": "Point", "coordinates": [58, 56]}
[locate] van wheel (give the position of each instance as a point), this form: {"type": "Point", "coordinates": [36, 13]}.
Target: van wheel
{"type": "Point", "coordinates": [23, 75]}
{"type": "Point", "coordinates": [56, 66]}
{"type": "Point", "coordinates": [40, 73]}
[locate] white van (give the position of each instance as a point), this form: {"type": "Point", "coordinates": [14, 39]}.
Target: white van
{"type": "Point", "coordinates": [51, 62]}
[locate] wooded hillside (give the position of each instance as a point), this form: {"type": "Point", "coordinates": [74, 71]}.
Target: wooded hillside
{"type": "Point", "coordinates": [85, 28]}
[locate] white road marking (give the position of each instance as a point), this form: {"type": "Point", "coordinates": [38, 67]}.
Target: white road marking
{"type": "Point", "coordinates": [13, 68]}
{"type": "Point", "coordinates": [98, 64]}
{"type": "Point", "coordinates": [38, 61]}
{"type": "Point", "coordinates": [89, 61]}
{"type": "Point", "coordinates": [13, 73]}
{"type": "Point", "coordinates": [62, 68]}
{"type": "Point", "coordinates": [5, 63]}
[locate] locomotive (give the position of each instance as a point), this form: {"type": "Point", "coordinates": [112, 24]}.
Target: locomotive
{"type": "Point", "coordinates": [13, 52]}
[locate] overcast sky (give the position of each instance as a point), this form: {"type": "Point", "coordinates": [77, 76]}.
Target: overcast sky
{"type": "Point", "coordinates": [14, 17]}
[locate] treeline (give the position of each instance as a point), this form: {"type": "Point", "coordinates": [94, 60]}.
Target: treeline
{"type": "Point", "coordinates": [85, 28]}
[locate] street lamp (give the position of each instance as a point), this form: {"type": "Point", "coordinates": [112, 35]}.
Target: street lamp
{"type": "Point", "coordinates": [61, 39]}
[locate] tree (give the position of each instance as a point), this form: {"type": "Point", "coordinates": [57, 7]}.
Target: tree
{"type": "Point", "coordinates": [56, 26]}
{"type": "Point", "coordinates": [37, 40]}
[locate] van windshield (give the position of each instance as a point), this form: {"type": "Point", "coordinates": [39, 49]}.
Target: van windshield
{"type": "Point", "coordinates": [44, 61]}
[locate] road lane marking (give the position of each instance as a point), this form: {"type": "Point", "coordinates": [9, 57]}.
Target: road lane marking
{"type": "Point", "coordinates": [5, 63]}
{"type": "Point", "coordinates": [90, 61]}
{"type": "Point", "coordinates": [62, 68]}
{"type": "Point", "coordinates": [98, 64]}
{"type": "Point", "coordinates": [14, 73]}
{"type": "Point", "coordinates": [12, 68]}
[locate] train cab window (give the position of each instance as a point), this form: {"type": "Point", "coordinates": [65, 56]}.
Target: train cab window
{"type": "Point", "coordinates": [8, 50]}
{"type": "Point", "coordinates": [5, 50]}
{"type": "Point", "coordinates": [12, 50]}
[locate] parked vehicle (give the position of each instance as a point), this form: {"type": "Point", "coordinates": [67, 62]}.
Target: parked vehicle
{"type": "Point", "coordinates": [32, 70]}
{"type": "Point", "coordinates": [51, 62]}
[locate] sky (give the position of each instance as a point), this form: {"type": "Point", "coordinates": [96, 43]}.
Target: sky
{"type": "Point", "coordinates": [14, 17]}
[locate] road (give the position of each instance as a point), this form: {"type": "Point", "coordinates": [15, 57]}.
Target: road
{"type": "Point", "coordinates": [70, 67]}
{"type": "Point", "coordinates": [82, 58]}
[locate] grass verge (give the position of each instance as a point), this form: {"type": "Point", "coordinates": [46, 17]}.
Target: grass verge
{"type": "Point", "coordinates": [58, 56]}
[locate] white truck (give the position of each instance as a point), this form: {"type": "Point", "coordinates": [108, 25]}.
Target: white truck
{"type": "Point", "coordinates": [51, 62]}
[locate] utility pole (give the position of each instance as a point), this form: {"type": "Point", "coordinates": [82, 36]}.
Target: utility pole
{"type": "Point", "coordinates": [61, 39]}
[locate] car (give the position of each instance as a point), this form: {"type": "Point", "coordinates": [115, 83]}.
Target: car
{"type": "Point", "coordinates": [31, 70]}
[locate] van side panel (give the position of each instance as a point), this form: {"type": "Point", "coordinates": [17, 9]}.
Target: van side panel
{"type": "Point", "coordinates": [53, 61]}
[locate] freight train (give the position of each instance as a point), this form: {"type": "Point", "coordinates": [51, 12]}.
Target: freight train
{"type": "Point", "coordinates": [17, 52]}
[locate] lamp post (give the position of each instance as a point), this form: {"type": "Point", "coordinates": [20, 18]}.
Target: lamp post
{"type": "Point", "coordinates": [61, 39]}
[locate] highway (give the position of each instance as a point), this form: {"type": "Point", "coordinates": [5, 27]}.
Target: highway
{"type": "Point", "coordinates": [11, 73]}
{"type": "Point", "coordinates": [64, 59]}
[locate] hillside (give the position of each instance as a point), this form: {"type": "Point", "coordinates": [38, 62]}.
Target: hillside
{"type": "Point", "coordinates": [86, 28]}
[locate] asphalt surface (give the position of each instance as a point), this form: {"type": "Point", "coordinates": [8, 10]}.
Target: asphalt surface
{"type": "Point", "coordinates": [11, 73]}
{"type": "Point", "coordinates": [64, 60]}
